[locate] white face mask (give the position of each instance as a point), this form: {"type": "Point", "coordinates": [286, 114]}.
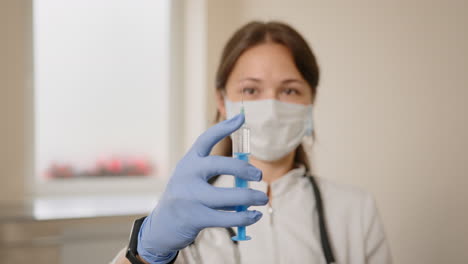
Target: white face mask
{"type": "Point", "coordinates": [276, 128]}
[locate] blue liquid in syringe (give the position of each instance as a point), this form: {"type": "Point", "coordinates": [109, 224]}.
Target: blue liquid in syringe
{"type": "Point", "coordinates": [241, 183]}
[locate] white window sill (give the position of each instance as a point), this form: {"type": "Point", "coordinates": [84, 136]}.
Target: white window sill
{"type": "Point", "coordinates": [77, 207]}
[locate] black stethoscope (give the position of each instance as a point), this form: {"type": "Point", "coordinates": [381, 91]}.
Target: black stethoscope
{"type": "Point", "coordinates": [325, 240]}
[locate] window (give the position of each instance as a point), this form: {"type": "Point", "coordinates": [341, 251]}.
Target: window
{"type": "Point", "coordinates": [102, 94]}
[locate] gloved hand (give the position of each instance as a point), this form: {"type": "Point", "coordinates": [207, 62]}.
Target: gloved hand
{"type": "Point", "coordinates": [190, 204]}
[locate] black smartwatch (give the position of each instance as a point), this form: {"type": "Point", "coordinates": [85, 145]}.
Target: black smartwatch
{"type": "Point", "coordinates": [132, 253]}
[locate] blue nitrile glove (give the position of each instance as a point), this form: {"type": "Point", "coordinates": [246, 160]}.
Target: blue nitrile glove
{"type": "Point", "coordinates": [190, 204]}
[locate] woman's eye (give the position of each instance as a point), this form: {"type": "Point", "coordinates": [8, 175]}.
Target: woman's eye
{"type": "Point", "coordinates": [291, 91]}
{"type": "Point", "coordinates": [249, 91]}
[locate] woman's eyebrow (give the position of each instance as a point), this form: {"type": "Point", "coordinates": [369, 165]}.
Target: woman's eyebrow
{"type": "Point", "coordinates": [292, 81]}
{"type": "Point", "coordinates": [250, 79]}
{"type": "Point", "coordinates": [286, 81]}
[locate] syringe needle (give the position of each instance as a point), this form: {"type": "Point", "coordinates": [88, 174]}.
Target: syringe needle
{"type": "Point", "coordinates": [242, 102]}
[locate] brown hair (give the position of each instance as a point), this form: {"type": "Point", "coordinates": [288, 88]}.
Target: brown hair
{"type": "Point", "coordinates": [255, 33]}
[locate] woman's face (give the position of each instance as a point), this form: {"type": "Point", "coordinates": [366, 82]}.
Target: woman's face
{"type": "Point", "coordinates": [266, 71]}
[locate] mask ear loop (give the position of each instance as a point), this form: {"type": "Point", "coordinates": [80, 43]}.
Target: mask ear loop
{"type": "Point", "coordinates": [224, 98]}
{"type": "Point", "coordinates": [308, 123]}
{"type": "Point", "coordinates": [309, 130]}
{"type": "Point", "coordinates": [224, 95]}
{"type": "Point", "coordinates": [308, 140]}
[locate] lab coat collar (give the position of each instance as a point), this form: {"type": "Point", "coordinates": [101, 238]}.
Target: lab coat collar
{"type": "Point", "coordinates": [283, 184]}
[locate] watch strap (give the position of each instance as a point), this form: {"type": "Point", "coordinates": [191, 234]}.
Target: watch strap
{"type": "Point", "coordinates": [132, 252]}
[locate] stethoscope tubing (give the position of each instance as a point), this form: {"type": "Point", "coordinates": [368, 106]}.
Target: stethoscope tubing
{"type": "Point", "coordinates": [324, 236]}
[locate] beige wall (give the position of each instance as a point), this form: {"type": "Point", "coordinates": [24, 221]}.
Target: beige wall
{"type": "Point", "coordinates": [391, 115]}
{"type": "Point", "coordinates": [15, 98]}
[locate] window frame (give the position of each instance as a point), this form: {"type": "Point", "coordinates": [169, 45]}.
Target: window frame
{"type": "Point", "coordinates": [139, 184]}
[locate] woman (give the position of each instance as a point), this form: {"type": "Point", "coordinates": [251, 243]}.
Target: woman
{"type": "Point", "coordinates": [269, 69]}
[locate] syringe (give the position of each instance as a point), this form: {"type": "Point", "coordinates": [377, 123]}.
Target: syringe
{"type": "Point", "coordinates": [241, 151]}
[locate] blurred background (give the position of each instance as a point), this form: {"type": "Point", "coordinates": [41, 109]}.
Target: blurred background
{"type": "Point", "coordinates": [99, 99]}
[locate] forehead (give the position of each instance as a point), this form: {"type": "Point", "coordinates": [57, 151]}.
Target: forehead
{"type": "Point", "coordinates": [265, 61]}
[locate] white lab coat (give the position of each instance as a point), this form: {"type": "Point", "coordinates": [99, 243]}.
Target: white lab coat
{"type": "Point", "coordinates": [289, 232]}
